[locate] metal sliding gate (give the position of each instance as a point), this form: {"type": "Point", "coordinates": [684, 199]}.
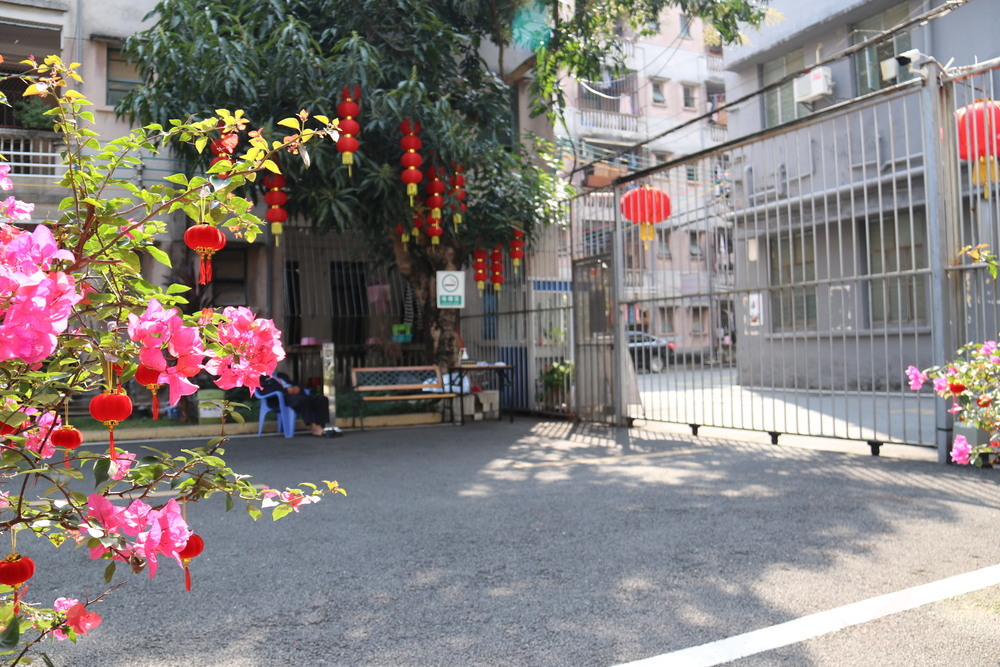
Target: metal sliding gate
{"type": "Point", "coordinates": [800, 273]}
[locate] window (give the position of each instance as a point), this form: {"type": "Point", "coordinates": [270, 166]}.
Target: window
{"type": "Point", "coordinates": [866, 63]}
{"type": "Point", "coordinates": [691, 173]}
{"type": "Point", "coordinates": [663, 243]}
{"type": "Point", "coordinates": [666, 319]}
{"type": "Point", "coordinates": [793, 275]}
{"type": "Point", "coordinates": [897, 245]}
{"type": "Point", "coordinates": [779, 104]}
{"type": "Point", "coordinates": [685, 26]}
{"type": "Point", "coordinates": [658, 96]}
{"type": "Point", "coordinates": [690, 93]}
{"type": "Point", "coordinates": [229, 278]}
{"type": "Point", "coordinates": [694, 243]}
{"type": "Point", "coordinates": [122, 77]}
{"type": "Point", "coordinates": [699, 316]}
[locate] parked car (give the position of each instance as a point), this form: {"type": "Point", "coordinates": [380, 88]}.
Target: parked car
{"type": "Point", "coordinates": [649, 352]}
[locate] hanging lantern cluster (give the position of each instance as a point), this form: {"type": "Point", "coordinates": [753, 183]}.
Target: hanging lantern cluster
{"type": "Point", "coordinates": [496, 267]}
{"type": "Point", "coordinates": [275, 198]}
{"type": "Point", "coordinates": [479, 266]}
{"type": "Point", "coordinates": [516, 248]}
{"type": "Point", "coordinates": [411, 159]}
{"type": "Point", "coordinates": [434, 203]}
{"type": "Point", "coordinates": [349, 129]}
{"type": "Point", "coordinates": [645, 206]}
{"type": "Point", "coordinates": [111, 409]}
{"type": "Point", "coordinates": [223, 149]}
{"type": "Point", "coordinates": [458, 193]}
{"type": "Point", "coordinates": [195, 545]}
{"type": "Point", "coordinates": [150, 379]}
{"type": "Point", "coordinates": [16, 569]}
{"type": "Point", "coordinates": [206, 240]}
{"type": "Point", "coordinates": [979, 140]}
{"type": "Point", "coordinates": [68, 438]}
{"type": "Point", "coordinates": [404, 235]}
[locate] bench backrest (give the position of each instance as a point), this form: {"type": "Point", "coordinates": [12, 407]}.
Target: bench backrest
{"type": "Point", "coordinates": [389, 378]}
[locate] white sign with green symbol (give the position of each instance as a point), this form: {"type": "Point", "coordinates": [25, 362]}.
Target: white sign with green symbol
{"type": "Point", "coordinates": [450, 289]}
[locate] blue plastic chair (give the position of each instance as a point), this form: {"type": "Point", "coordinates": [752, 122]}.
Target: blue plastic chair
{"type": "Point", "coordinates": [284, 414]}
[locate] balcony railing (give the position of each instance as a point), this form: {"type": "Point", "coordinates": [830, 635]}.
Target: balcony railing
{"type": "Point", "coordinates": [612, 122]}
{"type": "Point", "coordinates": [30, 152]}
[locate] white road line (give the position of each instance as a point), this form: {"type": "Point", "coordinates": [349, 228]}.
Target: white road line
{"type": "Point", "coordinates": [814, 625]}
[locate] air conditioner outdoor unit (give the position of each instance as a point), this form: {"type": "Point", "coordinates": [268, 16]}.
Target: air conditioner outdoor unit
{"type": "Point", "coordinates": [812, 86]}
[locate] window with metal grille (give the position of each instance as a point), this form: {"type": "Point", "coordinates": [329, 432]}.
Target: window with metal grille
{"type": "Point", "coordinates": [779, 103]}
{"type": "Point", "coordinates": [793, 276]}
{"type": "Point", "coordinates": [867, 69]}
{"type": "Point", "coordinates": [122, 77]}
{"type": "Point", "coordinates": [897, 246]}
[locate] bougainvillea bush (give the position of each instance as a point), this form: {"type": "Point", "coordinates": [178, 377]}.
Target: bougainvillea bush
{"type": "Point", "coordinates": [77, 317]}
{"type": "Point", "coordinates": [971, 382]}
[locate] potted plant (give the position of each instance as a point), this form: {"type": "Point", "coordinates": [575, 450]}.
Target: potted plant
{"type": "Point", "coordinates": [553, 384]}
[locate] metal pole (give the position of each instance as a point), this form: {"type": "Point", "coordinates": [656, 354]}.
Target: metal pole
{"type": "Point", "coordinates": [940, 231]}
{"type": "Point", "coordinates": [618, 312]}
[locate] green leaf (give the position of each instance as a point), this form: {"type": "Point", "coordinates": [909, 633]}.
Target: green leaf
{"type": "Point", "coordinates": [11, 635]}
{"type": "Point", "coordinates": [159, 256]}
{"type": "Point", "coordinates": [229, 502]}
{"type": "Point", "coordinates": [101, 471]}
{"type": "Point", "coordinates": [280, 511]}
{"type": "Point", "coordinates": [109, 572]}
{"type": "Point", "coordinates": [253, 511]}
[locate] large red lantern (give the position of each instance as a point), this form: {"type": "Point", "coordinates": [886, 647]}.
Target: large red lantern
{"type": "Point", "coordinates": [195, 545]}
{"type": "Point", "coordinates": [16, 569]}
{"type": "Point", "coordinates": [111, 408]}
{"type": "Point", "coordinates": [349, 128]}
{"type": "Point", "coordinates": [410, 143]}
{"type": "Point", "coordinates": [206, 240]}
{"type": "Point", "coordinates": [479, 267]}
{"type": "Point", "coordinates": [645, 206]}
{"type": "Point", "coordinates": [516, 248]}
{"type": "Point", "coordinates": [979, 140]}
{"type": "Point", "coordinates": [150, 379]}
{"type": "Point", "coordinates": [66, 437]}
{"type": "Point", "coordinates": [275, 199]}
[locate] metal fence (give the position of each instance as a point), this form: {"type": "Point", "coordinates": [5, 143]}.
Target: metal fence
{"type": "Point", "coordinates": [800, 272]}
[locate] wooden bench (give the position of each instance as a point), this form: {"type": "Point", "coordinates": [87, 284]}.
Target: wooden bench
{"type": "Point", "coordinates": [400, 383]}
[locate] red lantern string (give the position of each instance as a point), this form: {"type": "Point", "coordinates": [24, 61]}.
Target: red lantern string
{"type": "Point", "coordinates": [404, 236]}
{"type": "Point", "coordinates": [979, 140]}
{"type": "Point", "coordinates": [16, 569]}
{"type": "Point", "coordinates": [111, 408]}
{"type": "Point", "coordinates": [275, 198]}
{"type": "Point", "coordinates": [348, 110]}
{"type": "Point", "coordinates": [434, 202]}
{"type": "Point", "coordinates": [206, 240]}
{"type": "Point", "coordinates": [496, 268]}
{"type": "Point", "coordinates": [411, 143]}
{"type": "Point", "coordinates": [457, 183]}
{"type": "Point", "coordinates": [479, 266]}
{"type": "Point", "coordinates": [516, 248]}
{"type": "Point", "coordinates": [418, 224]}
{"type": "Point", "coordinates": [195, 545]}
{"type": "Point", "coordinates": [67, 437]}
{"type": "Point", "coordinates": [150, 379]}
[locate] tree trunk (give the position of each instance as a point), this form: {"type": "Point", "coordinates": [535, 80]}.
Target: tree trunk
{"type": "Point", "coordinates": [419, 263]}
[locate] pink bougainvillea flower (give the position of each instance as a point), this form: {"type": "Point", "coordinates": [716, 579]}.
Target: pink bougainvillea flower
{"type": "Point", "coordinates": [14, 209]}
{"type": "Point", "coordinates": [295, 498]}
{"type": "Point", "coordinates": [941, 385]}
{"type": "Point", "coordinates": [121, 464]}
{"type": "Point", "coordinates": [159, 329]}
{"type": "Point", "coordinates": [81, 620]}
{"type": "Point", "coordinates": [961, 450]}
{"type": "Point", "coordinates": [251, 347]}
{"type": "Point", "coordinates": [5, 182]}
{"type": "Point", "coordinates": [917, 377]}
{"type": "Point", "coordinates": [37, 437]}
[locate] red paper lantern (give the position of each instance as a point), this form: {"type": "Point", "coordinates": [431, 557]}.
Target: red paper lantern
{"type": "Point", "coordinates": [516, 248]}
{"type": "Point", "coordinates": [275, 200]}
{"type": "Point", "coordinates": [479, 266]}
{"type": "Point", "coordinates": [418, 224]}
{"type": "Point", "coordinates": [496, 268]}
{"type": "Point", "coordinates": [979, 140]}
{"type": "Point", "coordinates": [434, 202]}
{"type": "Point", "coordinates": [404, 235]}
{"type": "Point", "coordinates": [16, 569]}
{"type": "Point", "coordinates": [206, 240]}
{"type": "Point", "coordinates": [150, 379]}
{"type": "Point", "coordinates": [195, 545]}
{"type": "Point", "coordinates": [66, 437]}
{"type": "Point", "coordinates": [410, 143]}
{"type": "Point", "coordinates": [645, 206]}
{"type": "Point", "coordinates": [111, 408]}
{"type": "Point", "coordinates": [457, 183]}
{"type": "Point", "coordinates": [349, 128]}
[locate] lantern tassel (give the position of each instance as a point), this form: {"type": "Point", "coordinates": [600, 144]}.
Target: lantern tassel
{"type": "Point", "coordinates": [156, 405]}
{"type": "Point", "coordinates": [111, 438]}
{"type": "Point", "coordinates": [187, 578]}
{"type": "Point", "coordinates": [17, 598]}
{"type": "Point", "coordinates": [206, 269]}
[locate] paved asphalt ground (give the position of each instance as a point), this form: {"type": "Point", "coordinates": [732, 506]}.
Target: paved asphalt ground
{"type": "Point", "coordinates": [550, 543]}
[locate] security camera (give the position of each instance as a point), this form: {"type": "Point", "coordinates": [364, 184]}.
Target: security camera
{"type": "Point", "coordinates": [908, 57]}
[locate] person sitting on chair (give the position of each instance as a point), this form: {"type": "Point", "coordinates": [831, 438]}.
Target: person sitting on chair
{"type": "Point", "coordinates": [313, 409]}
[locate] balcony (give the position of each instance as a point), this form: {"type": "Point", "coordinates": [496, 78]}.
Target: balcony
{"type": "Point", "coordinates": [608, 123]}
{"type": "Point", "coordinates": [32, 155]}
